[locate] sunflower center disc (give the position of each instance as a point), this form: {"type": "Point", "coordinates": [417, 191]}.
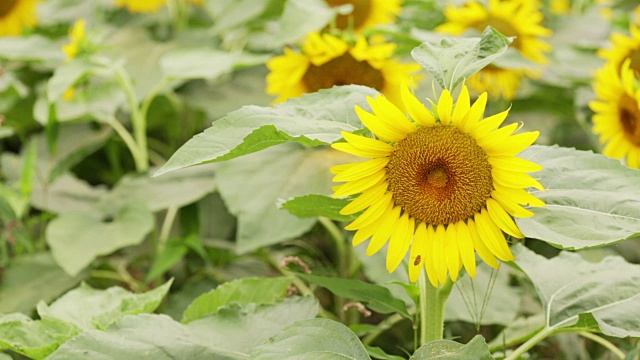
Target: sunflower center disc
{"type": "Point", "coordinates": [439, 175]}
{"type": "Point", "coordinates": [630, 119]}
{"type": "Point", "coordinates": [343, 70]}
{"type": "Point", "coordinates": [361, 10]}
{"type": "Point", "coordinates": [635, 63]}
{"type": "Point", "coordinates": [6, 6]}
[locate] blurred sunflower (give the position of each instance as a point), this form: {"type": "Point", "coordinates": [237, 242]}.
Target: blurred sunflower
{"type": "Point", "coordinates": [617, 113]}
{"type": "Point", "coordinates": [77, 44]}
{"type": "Point", "coordinates": [15, 15]}
{"type": "Point", "coordinates": [444, 185]}
{"type": "Point", "coordinates": [519, 18]}
{"type": "Point", "coordinates": [147, 6]}
{"type": "Point", "coordinates": [366, 13]}
{"type": "Point", "coordinates": [327, 60]}
{"type": "Point", "coordinates": [623, 48]}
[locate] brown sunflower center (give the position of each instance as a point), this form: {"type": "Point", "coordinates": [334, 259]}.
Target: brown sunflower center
{"type": "Point", "coordinates": [358, 16]}
{"type": "Point", "coordinates": [6, 6]}
{"type": "Point", "coordinates": [630, 119]}
{"type": "Point", "coordinates": [343, 70]}
{"type": "Point", "coordinates": [439, 175]}
{"type": "Point", "coordinates": [503, 26]}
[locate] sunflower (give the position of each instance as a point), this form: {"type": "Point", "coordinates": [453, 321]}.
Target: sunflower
{"type": "Point", "coordinates": [147, 6]}
{"type": "Point", "coordinates": [327, 60]}
{"type": "Point", "coordinates": [444, 184]}
{"type": "Point", "coordinates": [15, 15]}
{"type": "Point", "coordinates": [623, 48]}
{"type": "Point", "coordinates": [77, 39]}
{"type": "Point", "coordinates": [503, 82]}
{"type": "Point", "coordinates": [366, 13]}
{"type": "Point", "coordinates": [617, 113]}
{"type": "Point", "coordinates": [519, 18]}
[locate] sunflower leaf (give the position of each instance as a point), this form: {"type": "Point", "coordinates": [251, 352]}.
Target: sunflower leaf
{"type": "Point", "coordinates": [315, 205]}
{"type": "Point", "coordinates": [311, 120]}
{"type": "Point", "coordinates": [456, 59]}
{"type": "Point", "coordinates": [591, 200]}
{"type": "Point", "coordinates": [585, 295]}
{"type": "Point", "coordinates": [376, 297]}
{"type": "Point", "coordinates": [451, 350]}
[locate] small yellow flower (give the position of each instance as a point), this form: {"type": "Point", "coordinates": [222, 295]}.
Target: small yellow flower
{"type": "Point", "coordinates": [77, 38]}
{"type": "Point", "coordinates": [617, 113]}
{"type": "Point", "coordinates": [326, 60]}
{"type": "Point", "coordinates": [366, 13]}
{"type": "Point", "coordinates": [16, 15]}
{"type": "Point", "coordinates": [442, 184]}
{"type": "Point", "coordinates": [147, 6]}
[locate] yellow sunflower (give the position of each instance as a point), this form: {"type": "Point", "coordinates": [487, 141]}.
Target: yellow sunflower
{"type": "Point", "coordinates": [623, 48]}
{"type": "Point", "coordinates": [366, 13]}
{"type": "Point", "coordinates": [519, 18]}
{"type": "Point", "coordinates": [617, 113]}
{"type": "Point", "coordinates": [15, 15]}
{"type": "Point", "coordinates": [147, 6]}
{"type": "Point", "coordinates": [327, 60]}
{"type": "Point", "coordinates": [444, 184]}
{"type": "Point", "coordinates": [77, 38]}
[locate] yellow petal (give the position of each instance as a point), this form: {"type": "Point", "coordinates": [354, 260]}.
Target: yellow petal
{"type": "Point", "coordinates": [483, 251]}
{"type": "Point", "coordinates": [502, 219]}
{"type": "Point", "coordinates": [463, 105]}
{"type": "Point", "coordinates": [379, 128]}
{"type": "Point", "coordinates": [390, 115]}
{"type": "Point", "coordinates": [439, 255]}
{"type": "Point", "coordinates": [372, 214]}
{"type": "Point", "coordinates": [358, 186]}
{"type": "Point", "coordinates": [492, 236]}
{"type": "Point", "coordinates": [417, 257]}
{"type": "Point", "coordinates": [474, 114]}
{"type": "Point", "coordinates": [488, 124]}
{"type": "Point", "coordinates": [445, 107]}
{"type": "Point", "coordinates": [366, 199]}
{"type": "Point", "coordinates": [363, 234]}
{"type": "Point", "coordinates": [515, 179]}
{"type": "Point", "coordinates": [513, 163]}
{"type": "Point", "coordinates": [388, 223]}
{"type": "Point", "coordinates": [362, 169]}
{"type": "Point", "coordinates": [429, 260]}
{"type": "Point", "coordinates": [510, 205]}
{"type": "Point", "coordinates": [465, 244]}
{"type": "Point", "coordinates": [513, 145]}
{"type": "Point", "coordinates": [416, 109]}
{"type": "Point", "coordinates": [452, 252]}
{"type": "Point", "coordinates": [400, 241]}
{"type": "Point", "coordinates": [519, 195]}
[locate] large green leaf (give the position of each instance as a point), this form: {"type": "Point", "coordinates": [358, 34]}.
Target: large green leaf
{"type": "Point", "coordinates": [253, 185]}
{"type": "Point", "coordinates": [227, 15]}
{"type": "Point", "coordinates": [455, 59]}
{"type": "Point", "coordinates": [242, 291]}
{"type": "Point", "coordinates": [77, 238]}
{"type": "Point", "coordinates": [67, 74]}
{"type": "Point", "coordinates": [315, 205]}
{"type": "Point", "coordinates": [591, 200]}
{"type": "Point", "coordinates": [35, 339]}
{"type": "Point", "coordinates": [476, 349]}
{"type": "Point", "coordinates": [311, 120]}
{"type": "Point", "coordinates": [229, 334]}
{"type": "Point", "coordinates": [67, 193]}
{"type": "Point", "coordinates": [376, 297]}
{"type": "Point", "coordinates": [29, 279]}
{"type": "Point", "coordinates": [577, 292]}
{"type": "Point", "coordinates": [319, 339]}
{"type": "Point", "coordinates": [159, 193]}
{"type": "Point", "coordinates": [34, 48]}
{"type": "Point", "coordinates": [89, 308]}
{"type": "Point", "coordinates": [299, 18]}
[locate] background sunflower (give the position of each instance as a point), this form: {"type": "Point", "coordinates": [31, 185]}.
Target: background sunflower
{"type": "Point", "coordinates": [366, 13]}
{"type": "Point", "coordinates": [16, 15]}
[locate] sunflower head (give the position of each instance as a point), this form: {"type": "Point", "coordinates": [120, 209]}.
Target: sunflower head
{"type": "Point", "coordinates": [624, 47]}
{"type": "Point", "coordinates": [326, 61]}
{"type": "Point", "coordinates": [519, 18]}
{"type": "Point", "coordinates": [16, 15]}
{"type": "Point", "coordinates": [442, 184]}
{"type": "Point", "coordinates": [617, 112]}
{"type": "Point", "coordinates": [366, 13]}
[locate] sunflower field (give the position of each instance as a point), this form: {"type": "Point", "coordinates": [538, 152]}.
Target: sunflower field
{"type": "Point", "coordinates": [319, 179]}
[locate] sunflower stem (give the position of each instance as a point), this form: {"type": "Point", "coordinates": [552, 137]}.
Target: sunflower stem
{"type": "Point", "coordinates": [432, 304]}
{"type": "Point", "coordinates": [533, 341]}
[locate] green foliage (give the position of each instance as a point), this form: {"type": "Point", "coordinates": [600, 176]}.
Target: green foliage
{"type": "Point", "coordinates": [241, 291]}
{"type": "Point", "coordinates": [300, 340]}
{"type": "Point", "coordinates": [312, 120]}
{"type": "Point", "coordinates": [591, 200]}
{"type": "Point", "coordinates": [453, 60]}
{"type": "Point", "coordinates": [315, 205]}
{"type": "Point", "coordinates": [476, 349]}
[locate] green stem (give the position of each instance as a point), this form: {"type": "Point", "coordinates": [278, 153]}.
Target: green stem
{"type": "Point", "coordinates": [165, 231]}
{"type": "Point", "coordinates": [138, 121]}
{"type": "Point", "coordinates": [522, 349]}
{"type": "Point", "coordinates": [382, 327]}
{"type": "Point", "coordinates": [432, 305]}
{"type": "Point", "coordinates": [604, 342]}
{"type": "Point", "coordinates": [125, 135]}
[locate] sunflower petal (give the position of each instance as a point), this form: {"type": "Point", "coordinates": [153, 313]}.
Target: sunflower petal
{"type": "Point", "coordinates": [513, 163]}
{"type": "Point", "coordinates": [418, 252]}
{"type": "Point", "coordinates": [439, 255]}
{"type": "Point", "coordinates": [452, 251]}
{"type": "Point", "coordinates": [463, 104]}
{"type": "Point", "coordinates": [474, 114]}
{"type": "Point", "coordinates": [445, 107]}
{"type": "Point", "coordinates": [483, 251]}
{"type": "Point", "coordinates": [390, 115]}
{"type": "Point", "coordinates": [512, 145]}
{"type": "Point", "coordinates": [429, 260]}
{"type": "Point", "coordinates": [465, 245]}
{"type": "Point", "coordinates": [502, 219]}
{"type": "Point", "coordinates": [515, 179]}
{"type": "Point", "coordinates": [388, 223]}
{"type": "Point", "coordinates": [362, 169]}
{"type": "Point", "coordinates": [379, 128]}
{"type": "Point", "coordinates": [416, 109]}
{"type": "Point", "coordinates": [372, 214]}
{"type": "Point", "coordinates": [400, 242]}
{"type": "Point", "coordinates": [366, 199]}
